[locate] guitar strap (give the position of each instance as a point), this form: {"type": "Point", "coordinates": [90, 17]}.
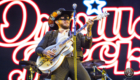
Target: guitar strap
{"type": "Point", "coordinates": [70, 33]}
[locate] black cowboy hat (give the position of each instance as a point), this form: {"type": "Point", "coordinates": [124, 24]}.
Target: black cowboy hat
{"type": "Point", "coordinates": [56, 15]}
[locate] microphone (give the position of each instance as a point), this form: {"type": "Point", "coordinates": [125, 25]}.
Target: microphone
{"type": "Point", "coordinates": [74, 5]}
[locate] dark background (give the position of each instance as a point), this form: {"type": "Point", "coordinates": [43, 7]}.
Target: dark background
{"type": "Point", "coordinates": [14, 17]}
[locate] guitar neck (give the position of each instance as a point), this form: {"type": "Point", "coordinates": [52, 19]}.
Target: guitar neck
{"type": "Point", "coordinates": [99, 17]}
{"type": "Point", "coordinates": [78, 31]}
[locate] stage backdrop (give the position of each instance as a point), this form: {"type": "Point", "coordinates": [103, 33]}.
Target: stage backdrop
{"type": "Point", "coordinates": [115, 38]}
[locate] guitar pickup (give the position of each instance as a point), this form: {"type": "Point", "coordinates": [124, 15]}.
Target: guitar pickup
{"type": "Point", "coordinates": [54, 50]}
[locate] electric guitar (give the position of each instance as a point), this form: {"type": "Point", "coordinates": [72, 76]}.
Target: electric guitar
{"type": "Point", "coordinates": [63, 47]}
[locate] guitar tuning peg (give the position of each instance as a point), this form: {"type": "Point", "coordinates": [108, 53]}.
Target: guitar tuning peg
{"type": "Point", "coordinates": [105, 11]}
{"type": "Point", "coordinates": [103, 15]}
{"type": "Point", "coordinates": [108, 14]}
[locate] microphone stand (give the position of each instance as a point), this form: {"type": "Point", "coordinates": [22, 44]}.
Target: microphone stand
{"type": "Point", "coordinates": [31, 73]}
{"type": "Point", "coordinates": [74, 42]}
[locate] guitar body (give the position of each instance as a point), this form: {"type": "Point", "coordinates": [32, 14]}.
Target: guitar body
{"type": "Point", "coordinates": [50, 64]}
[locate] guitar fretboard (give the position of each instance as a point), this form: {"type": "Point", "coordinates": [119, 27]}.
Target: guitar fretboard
{"type": "Point", "coordinates": [79, 30]}
{"type": "Point", "coordinates": [99, 17]}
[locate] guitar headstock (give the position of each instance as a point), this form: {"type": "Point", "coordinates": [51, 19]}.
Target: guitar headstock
{"type": "Point", "coordinates": [102, 15]}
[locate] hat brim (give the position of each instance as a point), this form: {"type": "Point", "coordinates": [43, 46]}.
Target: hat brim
{"type": "Point", "coordinates": [69, 13]}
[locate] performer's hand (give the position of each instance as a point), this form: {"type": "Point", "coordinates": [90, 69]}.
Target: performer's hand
{"type": "Point", "coordinates": [90, 24]}
{"type": "Point", "coordinates": [89, 28]}
{"type": "Point", "coordinates": [48, 52]}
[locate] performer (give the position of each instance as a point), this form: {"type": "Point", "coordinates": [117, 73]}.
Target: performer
{"type": "Point", "coordinates": [59, 22]}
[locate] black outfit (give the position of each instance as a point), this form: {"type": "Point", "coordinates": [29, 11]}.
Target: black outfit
{"type": "Point", "coordinates": [67, 66]}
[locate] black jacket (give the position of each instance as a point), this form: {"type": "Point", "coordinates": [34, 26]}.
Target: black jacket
{"type": "Point", "coordinates": [50, 39]}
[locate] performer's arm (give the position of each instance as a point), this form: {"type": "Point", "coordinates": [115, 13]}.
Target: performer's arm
{"type": "Point", "coordinates": [40, 49]}
{"type": "Point", "coordinates": [87, 40]}
{"type": "Point", "coordinates": [42, 45]}
{"type": "Point", "coordinates": [89, 32]}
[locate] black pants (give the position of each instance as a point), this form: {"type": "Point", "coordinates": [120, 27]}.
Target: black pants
{"type": "Point", "coordinates": [67, 69]}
